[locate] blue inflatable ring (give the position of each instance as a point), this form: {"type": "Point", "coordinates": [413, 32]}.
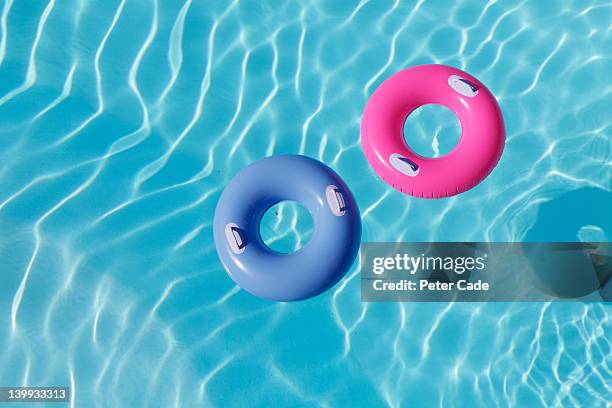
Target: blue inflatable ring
{"type": "Point", "coordinates": [312, 269]}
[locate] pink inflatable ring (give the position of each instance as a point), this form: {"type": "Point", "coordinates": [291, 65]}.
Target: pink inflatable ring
{"type": "Point", "coordinates": [479, 149]}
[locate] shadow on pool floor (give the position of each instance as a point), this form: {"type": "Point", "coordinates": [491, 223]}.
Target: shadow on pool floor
{"type": "Point", "coordinates": [561, 220]}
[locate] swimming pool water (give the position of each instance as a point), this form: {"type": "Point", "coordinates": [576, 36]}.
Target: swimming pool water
{"type": "Point", "coordinates": [121, 121]}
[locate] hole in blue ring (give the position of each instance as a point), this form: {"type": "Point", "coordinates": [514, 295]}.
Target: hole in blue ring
{"type": "Point", "coordinates": [286, 227]}
{"type": "Point", "coordinates": [432, 130]}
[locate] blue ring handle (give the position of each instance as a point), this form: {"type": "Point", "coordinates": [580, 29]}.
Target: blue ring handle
{"type": "Point", "coordinates": [312, 269]}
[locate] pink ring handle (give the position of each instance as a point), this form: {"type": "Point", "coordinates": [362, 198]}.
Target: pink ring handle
{"type": "Point", "coordinates": [482, 138]}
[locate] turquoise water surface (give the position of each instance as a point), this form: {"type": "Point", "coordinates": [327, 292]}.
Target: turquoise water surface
{"type": "Point", "coordinates": [122, 121]}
